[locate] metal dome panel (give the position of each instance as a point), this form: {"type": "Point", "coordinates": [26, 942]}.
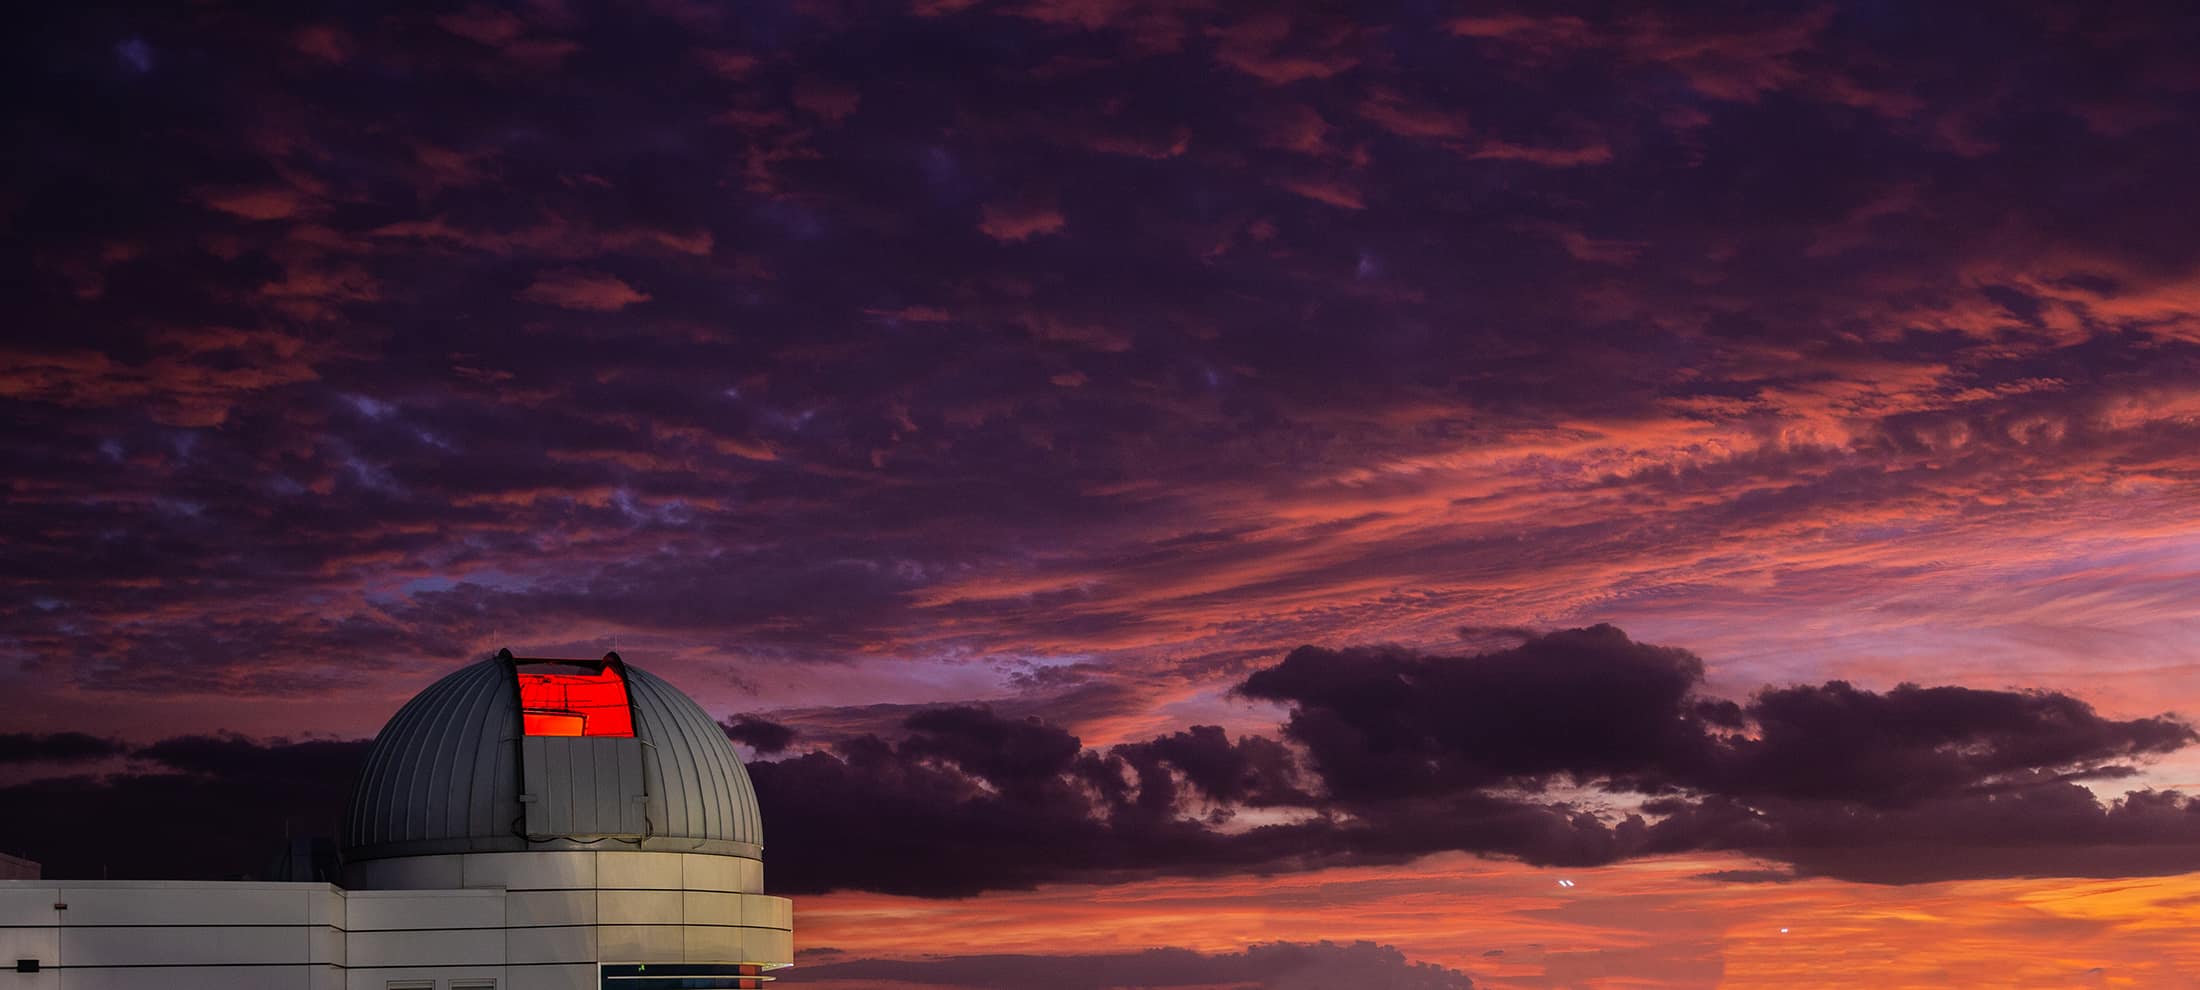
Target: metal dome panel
{"type": "Point", "coordinates": [448, 774]}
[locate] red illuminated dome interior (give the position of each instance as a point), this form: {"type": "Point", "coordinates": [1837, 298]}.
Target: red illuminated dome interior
{"type": "Point", "coordinates": [567, 699]}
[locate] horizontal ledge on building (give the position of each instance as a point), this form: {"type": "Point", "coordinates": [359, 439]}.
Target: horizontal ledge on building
{"type": "Point", "coordinates": [391, 931]}
{"type": "Point", "coordinates": [328, 965]}
{"type": "Point", "coordinates": [529, 928]}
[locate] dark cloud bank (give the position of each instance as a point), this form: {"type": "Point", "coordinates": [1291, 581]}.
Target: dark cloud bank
{"type": "Point", "coordinates": [1385, 756]}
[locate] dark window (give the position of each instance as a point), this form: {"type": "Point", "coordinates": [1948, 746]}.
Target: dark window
{"type": "Point", "coordinates": [681, 976]}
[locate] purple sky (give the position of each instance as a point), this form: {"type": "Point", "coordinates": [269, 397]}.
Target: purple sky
{"type": "Point", "coordinates": [980, 398]}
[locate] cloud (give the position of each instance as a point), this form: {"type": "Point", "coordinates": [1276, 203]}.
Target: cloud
{"type": "Point", "coordinates": [584, 290]}
{"type": "Point", "coordinates": [1833, 741]}
{"type": "Point", "coordinates": [2043, 828]}
{"type": "Point", "coordinates": [1252, 771]}
{"type": "Point", "coordinates": [1272, 48]}
{"type": "Point", "coordinates": [1330, 191]}
{"type": "Point", "coordinates": [1020, 220]}
{"type": "Point", "coordinates": [1814, 775]}
{"type": "Point", "coordinates": [506, 32]}
{"type": "Point", "coordinates": [1590, 154]}
{"type": "Point", "coordinates": [1385, 756]}
{"type": "Point", "coordinates": [1729, 62]}
{"type": "Point", "coordinates": [1276, 965]}
{"type": "Point", "coordinates": [483, 24]}
{"type": "Point", "coordinates": [1390, 111]}
{"type": "Point", "coordinates": [189, 377]}
{"type": "Point", "coordinates": [1521, 29]}
{"type": "Point", "coordinates": [230, 800]}
{"type": "Point", "coordinates": [264, 203]}
{"type": "Point", "coordinates": [1587, 703]}
{"type": "Point", "coordinates": [1592, 704]}
{"type": "Point", "coordinates": [1410, 754]}
{"type": "Point", "coordinates": [58, 747]}
{"type": "Point", "coordinates": [829, 100]}
{"type": "Point", "coordinates": [324, 42]}
{"type": "Point", "coordinates": [762, 736]}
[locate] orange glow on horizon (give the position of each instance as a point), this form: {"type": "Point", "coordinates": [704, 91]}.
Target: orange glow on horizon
{"type": "Point", "coordinates": [1657, 923]}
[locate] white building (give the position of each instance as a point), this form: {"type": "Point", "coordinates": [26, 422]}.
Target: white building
{"type": "Point", "coordinates": [520, 825]}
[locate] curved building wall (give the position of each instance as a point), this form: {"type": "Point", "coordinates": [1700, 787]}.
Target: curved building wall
{"type": "Point", "coordinates": [702, 791]}
{"type": "Point", "coordinates": [570, 907]}
{"type": "Point", "coordinates": [445, 767]}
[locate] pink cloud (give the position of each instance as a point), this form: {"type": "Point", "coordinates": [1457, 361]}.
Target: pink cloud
{"type": "Point", "coordinates": [731, 65]}
{"type": "Point", "coordinates": [1734, 63]}
{"type": "Point", "coordinates": [1262, 46]}
{"type": "Point", "coordinates": [1013, 221]}
{"type": "Point", "coordinates": [1388, 110]}
{"type": "Point", "coordinates": [486, 25]}
{"type": "Point", "coordinates": [1587, 154]}
{"type": "Point", "coordinates": [576, 289]}
{"type": "Point", "coordinates": [257, 203]}
{"type": "Point", "coordinates": [506, 32]}
{"type": "Point", "coordinates": [828, 99]}
{"type": "Point", "coordinates": [324, 42]}
{"type": "Point", "coordinates": [1295, 127]}
{"type": "Point", "coordinates": [552, 236]}
{"type": "Point", "coordinates": [913, 314]}
{"type": "Point", "coordinates": [1522, 28]}
{"type": "Point", "coordinates": [1331, 191]}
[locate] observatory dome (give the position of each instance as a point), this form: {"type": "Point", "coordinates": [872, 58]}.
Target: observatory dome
{"type": "Point", "coordinates": [515, 754]}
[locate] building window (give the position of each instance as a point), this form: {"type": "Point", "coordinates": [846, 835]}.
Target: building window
{"type": "Point", "coordinates": [473, 985]}
{"type": "Point", "coordinates": [683, 976]}
{"type": "Point", "coordinates": [410, 985]}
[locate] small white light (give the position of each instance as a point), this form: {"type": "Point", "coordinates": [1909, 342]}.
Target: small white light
{"type": "Point", "coordinates": [1783, 931]}
{"type": "Point", "coordinates": [1565, 883]}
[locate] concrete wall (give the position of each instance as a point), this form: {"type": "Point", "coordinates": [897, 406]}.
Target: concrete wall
{"type": "Point", "coordinates": [614, 906]}
{"type": "Point", "coordinates": [419, 935]}
{"type": "Point", "coordinates": [123, 935]}
{"type": "Point", "coordinates": [526, 920]}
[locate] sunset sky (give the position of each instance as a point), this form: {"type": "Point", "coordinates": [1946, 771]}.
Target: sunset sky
{"type": "Point", "coordinates": [1164, 493]}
